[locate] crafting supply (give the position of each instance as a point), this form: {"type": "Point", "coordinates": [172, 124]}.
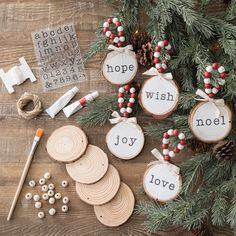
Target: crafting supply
{"type": "Point", "coordinates": [41, 215]}
{"type": "Point", "coordinates": [51, 200]}
{"type": "Point", "coordinates": [76, 106]}
{"type": "Point", "coordinates": [102, 191]}
{"type": "Point", "coordinates": [32, 183]}
{"type": "Point", "coordinates": [64, 183]}
{"type": "Point", "coordinates": [38, 205]}
{"type": "Point", "coordinates": [65, 200]}
{"type": "Point", "coordinates": [45, 196]}
{"type": "Point", "coordinates": [47, 176]}
{"type": "Point", "coordinates": [45, 188]}
{"type": "Point", "coordinates": [51, 186]}
{"type": "Point", "coordinates": [42, 181]}
{"type": "Point", "coordinates": [67, 144]}
{"type": "Point", "coordinates": [64, 208]}
{"type": "Point", "coordinates": [90, 168]}
{"type": "Point", "coordinates": [52, 211]}
{"type": "Point", "coordinates": [61, 102]}
{"type": "Point", "coordinates": [25, 99]}
{"type": "Point", "coordinates": [118, 210]}
{"type": "Point", "coordinates": [37, 137]}
{"type": "Point", "coordinates": [50, 193]}
{"type": "Point", "coordinates": [28, 196]}
{"type": "Point", "coordinates": [17, 75]}
{"type": "Point", "coordinates": [36, 198]}
{"type": "Point", "coordinates": [58, 196]}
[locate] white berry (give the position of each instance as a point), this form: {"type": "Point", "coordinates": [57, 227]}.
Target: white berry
{"type": "Point", "coordinates": [28, 196]}
{"type": "Point", "coordinates": [215, 90]}
{"type": "Point", "coordinates": [51, 186]}
{"type": "Point", "coordinates": [120, 28]}
{"type": "Point", "coordinates": [161, 44]}
{"type": "Point", "coordinates": [132, 90]}
{"type": "Point", "coordinates": [120, 100]}
{"type": "Point", "coordinates": [45, 188]}
{"type": "Point", "coordinates": [164, 66]}
{"type": "Point", "coordinates": [114, 20]}
{"type": "Point", "coordinates": [180, 146]}
{"type": "Point", "coordinates": [171, 154]}
{"type": "Point", "coordinates": [36, 197]}
{"type": "Point", "coordinates": [129, 109]}
{"type": "Point", "coordinates": [209, 69]}
{"type": "Point", "coordinates": [50, 193]}
{"type": "Point", "coordinates": [132, 100]}
{"type": "Point", "coordinates": [32, 183]}
{"type": "Point", "coordinates": [45, 196]}
{"type": "Point", "coordinates": [156, 54]}
{"type": "Point", "coordinates": [38, 205]}
{"type": "Point", "coordinates": [165, 140]}
{"type": "Point", "coordinates": [58, 196]}
{"type": "Point", "coordinates": [41, 215]}
{"type": "Point", "coordinates": [108, 33]}
{"type": "Point", "coordinates": [158, 65]}
{"type": "Point", "coordinates": [65, 200]}
{"type": "Point", "coordinates": [121, 90]}
{"type": "Point", "coordinates": [181, 136]}
{"type": "Point", "coordinates": [167, 57]}
{"type": "Point", "coordinates": [116, 40]}
{"type": "Point", "coordinates": [47, 175]}
{"type": "Point", "coordinates": [168, 47]}
{"type": "Point", "coordinates": [105, 24]}
{"type": "Point", "coordinates": [122, 110]}
{"type": "Point", "coordinates": [170, 132]}
{"type": "Point", "coordinates": [165, 151]}
{"type": "Point", "coordinates": [221, 81]}
{"type": "Point", "coordinates": [208, 91]}
{"type": "Point", "coordinates": [221, 69]}
{"type": "Point", "coordinates": [51, 200]}
{"type": "Point", "coordinates": [207, 81]}
{"type": "Point", "coordinates": [42, 181]}
{"type": "Point", "coordinates": [64, 208]}
{"type": "Point", "coordinates": [122, 38]}
{"type": "Point", "coordinates": [52, 211]}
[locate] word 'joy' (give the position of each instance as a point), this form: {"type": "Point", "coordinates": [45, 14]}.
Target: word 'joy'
{"type": "Point", "coordinates": [209, 122]}
{"type": "Point", "coordinates": [119, 68]}
{"type": "Point", "coordinates": [125, 140]}
{"type": "Point", "coordinates": [163, 183]}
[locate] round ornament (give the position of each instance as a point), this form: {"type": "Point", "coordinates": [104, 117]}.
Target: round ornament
{"type": "Point", "coordinates": [67, 144]}
{"type": "Point", "coordinates": [90, 168]}
{"type": "Point", "coordinates": [118, 210]}
{"type": "Point", "coordinates": [102, 191]}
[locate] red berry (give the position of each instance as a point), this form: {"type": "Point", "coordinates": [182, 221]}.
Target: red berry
{"type": "Point", "coordinates": [165, 145]}
{"type": "Point", "coordinates": [158, 49]}
{"type": "Point", "coordinates": [109, 20]}
{"type": "Point", "coordinates": [126, 114]}
{"type": "Point", "coordinates": [112, 36]}
{"type": "Point", "coordinates": [223, 75]}
{"type": "Point", "coordinates": [211, 95]}
{"type": "Point", "coordinates": [169, 52]}
{"type": "Point", "coordinates": [215, 66]}
{"type": "Point", "coordinates": [207, 74]}
{"type": "Point", "coordinates": [105, 29]}
{"type": "Point", "coordinates": [167, 158]}
{"type": "Point", "coordinates": [127, 87]}
{"type": "Point", "coordinates": [119, 44]}
{"type": "Point", "coordinates": [164, 61]}
{"type": "Point", "coordinates": [120, 95]}
{"type": "Point", "coordinates": [176, 132]}
{"type": "Point", "coordinates": [165, 135]}
{"type": "Point", "coordinates": [207, 85]}
{"type": "Point", "coordinates": [218, 86]}
{"type": "Point", "coordinates": [121, 33]}
{"type": "Point", "coordinates": [130, 104]}
{"type": "Point", "coordinates": [161, 70]}
{"type": "Point", "coordinates": [133, 95]}
{"type": "Point", "coordinates": [182, 142]}
{"type": "Point", "coordinates": [120, 105]}
{"type": "Point", "coordinates": [165, 41]}
{"type": "Point", "coordinates": [156, 60]}
{"type": "Point", "coordinates": [118, 23]}
{"type": "Point", "coordinates": [176, 150]}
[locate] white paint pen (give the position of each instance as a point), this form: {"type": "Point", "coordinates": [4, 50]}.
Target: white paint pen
{"type": "Point", "coordinates": [62, 102]}
{"type": "Point", "coordinates": [76, 106]}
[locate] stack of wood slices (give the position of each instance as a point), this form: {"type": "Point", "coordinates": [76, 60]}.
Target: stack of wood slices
{"type": "Point", "coordinates": [97, 182]}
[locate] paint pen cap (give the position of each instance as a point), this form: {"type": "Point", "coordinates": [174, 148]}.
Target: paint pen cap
{"type": "Point", "coordinates": [75, 90]}
{"type": "Point", "coordinates": [95, 94]}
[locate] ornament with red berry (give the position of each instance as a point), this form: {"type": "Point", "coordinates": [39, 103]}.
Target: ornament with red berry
{"type": "Point", "coordinates": [162, 181]}
{"type": "Point", "coordinates": [211, 120]}
{"type": "Point", "coordinates": [120, 65]}
{"type": "Point", "coordinates": [159, 95]}
{"type": "Point", "coordinates": [125, 140]}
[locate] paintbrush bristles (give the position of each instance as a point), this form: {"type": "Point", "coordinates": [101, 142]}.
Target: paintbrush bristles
{"type": "Point", "coordinates": [39, 132]}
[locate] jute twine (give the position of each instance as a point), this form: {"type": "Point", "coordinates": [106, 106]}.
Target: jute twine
{"type": "Point", "coordinates": [25, 99]}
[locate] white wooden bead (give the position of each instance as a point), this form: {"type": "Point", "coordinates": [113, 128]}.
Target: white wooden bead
{"type": "Point", "coordinates": [32, 183]}
{"type": "Point", "coordinates": [120, 28]}
{"type": "Point", "coordinates": [121, 100]}
{"type": "Point", "coordinates": [221, 69]}
{"type": "Point", "coordinates": [165, 151]}
{"type": "Point", "coordinates": [215, 90]}
{"type": "Point", "coordinates": [161, 44]}
{"type": "Point", "coordinates": [221, 81]}
{"type": "Point", "coordinates": [51, 200]}
{"type": "Point", "coordinates": [180, 146]}
{"type": "Point", "coordinates": [47, 175]}
{"type": "Point", "coordinates": [58, 196]}
{"type": "Point", "coordinates": [50, 193]}
{"type": "Point", "coordinates": [158, 65]}
{"type": "Point", "coordinates": [28, 196]}
{"type": "Point", "coordinates": [167, 57]}
{"type": "Point", "coordinates": [122, 110]}
{"type": "Point", "coordinates": [41, 215]}
{"type": "Point", "coordinates": [116, 40]}
{"type": "Point", "coordinates": [45, 196]}
{"type": "Point", "coordinates": [208, 91]}
{"type": "Point", "coordinates": [38, 205]}
{"type": "Point", "coordinates": [121, 90]}
{"type": "Point", "coordinates": [114, 20]}
{"type": "Point", "coordinates": [170, 132]}
{"type": "Point", "coordinates": [108, 33]}
{"type": "Point", "coordinates": [165, 140]}
{"type": "Point", "coordinates": [132, 100]}
{"type": "Point", "coordinates": [45, 188]}
{"type": "Point", "coordinates": [122, 38]}
{"type": "Point", "coordinates": [51, 186]}
{"type": "Point", "coordinates": [164, 66]}
{"type": "Point", "coordinates": [156, 54]}
{"type": "Point", "coordinates": [181, 136]}
{"type": "Point", "coordinates": [52, 211]}
{"type": "Point", "coordinates": [65, 200]}
{"type": "Point", "coordinates": [171, 154]}
{"type": "Point", "coordinates": [132, 90]}
{"type": "Point", "coordinates": [64, 208]}
{"type": "Point", "coordinates": [207, 81]}
{"type": "Point", "coordinates": [36, 197]}
{"type": "Point", "coordinates": [105, 24]}
{"type": "Point", "coordinates": [129, 109]}
{"type": "Point", "coordinates": [168, 47]}
{"type": "Point", "coordinates": [209, 69]}
{"type": "Point", "coordinates": [42, 181]}
{"type": "Point", "coordinates": [64, 183]}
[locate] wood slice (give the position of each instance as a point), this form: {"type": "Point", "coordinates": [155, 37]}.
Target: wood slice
{"type": "Point", "coordinates": [102, 191]}
{"type": "Point", "coordinates": [206, 126]}
{"type": "Point", "coordinates": [118, 210]}
{"type": "Point", "coordinates": [158, 97]}
{"type": "Point", "coordinates": [160, 183]}
{"type": "Point", "coordinates": [67, 144]}
{"type": "Point", "coordinates": [125, 140]}
{"type": "Point", "coordinates": [120, 68]}
{"type": "Point", "coordinates": [90, 168]}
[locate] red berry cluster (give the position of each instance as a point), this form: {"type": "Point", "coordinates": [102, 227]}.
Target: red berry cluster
{"type": "Point", "coordinates": [126, 111]}
{"type": "Point", "coordinates": [209, 88]}
{"type": "Point", "coordinates": [162, 65]}
{"type": "Point", "coordinates": [168, 154]}
{"type": "Point", "coordinates": [115, 39]}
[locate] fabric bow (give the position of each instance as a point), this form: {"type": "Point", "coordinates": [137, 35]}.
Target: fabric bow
{"type": "Point", "coordinates": [161, 160]}
{"type": "Point", "coordinates": [214, 102]}
{"type": "Point", "coordinates": [127, 50]}
{"type": "Point", "coordinates": [154, 72]}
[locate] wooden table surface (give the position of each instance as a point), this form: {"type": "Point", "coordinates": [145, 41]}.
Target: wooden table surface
{"type": "Point", "coordinates": [17, 20]}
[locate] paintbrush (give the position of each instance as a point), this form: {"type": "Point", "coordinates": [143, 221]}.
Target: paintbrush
{"type": "Point", "coordinates": [38, 135]}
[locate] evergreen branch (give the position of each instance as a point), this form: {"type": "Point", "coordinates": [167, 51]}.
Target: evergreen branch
{"type": "Point", "coordinates": [231, 218]}
{"type": "Point", "coordinates": [187, 101]}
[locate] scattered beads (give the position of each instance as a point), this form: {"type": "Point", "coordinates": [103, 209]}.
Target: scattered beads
{"type": "Point", "coordinates": [58, 196]}
{"type": "Point", "coordinates": [32, 183]}
{"type": "Point", "coordinates": [42, 181]}
{"type": "Point", "coordinates": [50, 193]}
{"type": "Point", "coordinates": [52, 211]}
{"type": "Point", "coordinates": [28, 196]}
{"type": "Point", "coordinates": [51, 200]}
{"type": "Point", "coordinates": [64, 208]}
{"type": "Point", "coordinates": [45, 196]}
{"type": "Point", "coordinates": [64, 183]}
{"type": "Point", "coordinates": [38, 205]}
{"type": "Point", "coordinates": [41, 215]}
{"type": "Point", "coordinates": [65, 200]}
{"type": "Point", "coordinates": [47, 176]}
{"type": "Point", "coordinates": [45, 188]}
{"type": "Point", "coordinates": [36, 198]}
{"type": "Point", "coordinates": [51, 186]}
